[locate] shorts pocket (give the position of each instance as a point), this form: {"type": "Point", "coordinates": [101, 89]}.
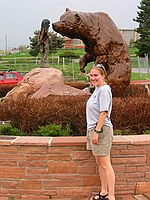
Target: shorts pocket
{"type": "Point", "coordinates": [103, 134]}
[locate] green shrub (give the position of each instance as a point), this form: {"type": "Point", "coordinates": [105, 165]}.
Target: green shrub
{"type": "Point", "coordinates": [6, 129]}
{"type": "Point", "coordinates": [122, 132]}
{"type": "Point", "coordinates": [69, 54]}
{"type": "Point", "coordinates": [48, 130]}
{"type": "Point", "coordinates": [53, 130]}
{"type": "Point", "coordinates": [147, 132]}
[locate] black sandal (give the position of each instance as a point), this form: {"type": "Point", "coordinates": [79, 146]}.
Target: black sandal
{"type": "Point", "coordinates": [99, 197]}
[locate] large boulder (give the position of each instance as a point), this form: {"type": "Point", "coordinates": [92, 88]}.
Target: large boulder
{"type": "Point", "coordinates": [41, 82]}
{"type": "Point", "coordinates": [103, 44]}
{"type": "Point", "coordinates": [57, 89]}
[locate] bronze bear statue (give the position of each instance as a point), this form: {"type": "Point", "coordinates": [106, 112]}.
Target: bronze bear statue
{"type": "Point", "coordinates": [103, 44]}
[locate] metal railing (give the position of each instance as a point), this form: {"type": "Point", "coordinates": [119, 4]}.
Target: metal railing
{"type": "Point", "coordinates": [139, 65]}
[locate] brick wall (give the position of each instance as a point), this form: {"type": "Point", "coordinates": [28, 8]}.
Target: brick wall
{"type": "Point", "coordinates": [42, 168]}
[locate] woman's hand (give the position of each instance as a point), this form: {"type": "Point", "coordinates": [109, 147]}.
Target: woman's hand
{"type": "Point", "coordinates": [95, 138]}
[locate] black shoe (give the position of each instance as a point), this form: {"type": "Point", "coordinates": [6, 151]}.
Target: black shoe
{"type": "Point", "coordinates": [99, 197]}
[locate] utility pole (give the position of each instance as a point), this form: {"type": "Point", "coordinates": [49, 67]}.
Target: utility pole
{"type": "Point", "coordinates": [5, 43]}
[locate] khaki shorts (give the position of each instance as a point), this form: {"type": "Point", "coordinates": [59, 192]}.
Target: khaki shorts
{"type": "Point", "coordinates": [104, 142]}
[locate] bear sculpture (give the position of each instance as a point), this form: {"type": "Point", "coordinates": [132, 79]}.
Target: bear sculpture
{"type": "Point", "coordinates": [103, 44]}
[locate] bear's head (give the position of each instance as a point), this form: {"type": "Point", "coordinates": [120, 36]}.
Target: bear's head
{"type": "Point", "coordinates": [70, 24]}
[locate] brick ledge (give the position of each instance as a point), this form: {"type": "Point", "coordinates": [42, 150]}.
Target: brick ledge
{"type": "Point", "coordinates": [69, 141]}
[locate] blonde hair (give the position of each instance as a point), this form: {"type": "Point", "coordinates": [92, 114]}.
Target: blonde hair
{"type": "Point", "coordinates": [100, 68]}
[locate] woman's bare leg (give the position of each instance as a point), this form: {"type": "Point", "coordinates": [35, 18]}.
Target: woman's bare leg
{"type": "Point", "coordinates": [103, 178]}
{"type": "Point", "coordinates": [107, 175]}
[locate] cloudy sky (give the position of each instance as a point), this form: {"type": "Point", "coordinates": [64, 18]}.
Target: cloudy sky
{"type": "Point", "coordinates": [20, 18]}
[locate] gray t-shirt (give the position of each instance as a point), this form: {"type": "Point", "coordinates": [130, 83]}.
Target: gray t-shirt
{"type": "Point", "coordinates": [100, 100]}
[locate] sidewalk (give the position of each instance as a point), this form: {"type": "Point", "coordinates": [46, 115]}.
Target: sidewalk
{"type": "Point", "coordinates": [140, 82]}
{"type": "Point", "coordinates": [119, 197]}
{"type": "Point", "coordinates": [142, 70]}
{"type": "Point", "coordinates": [145, 196]}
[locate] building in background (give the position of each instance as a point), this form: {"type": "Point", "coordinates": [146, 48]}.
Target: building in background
{"type": "Point", "coordinates": [127, 34]}
{"type": "Point", "coordinates": [73, 43]}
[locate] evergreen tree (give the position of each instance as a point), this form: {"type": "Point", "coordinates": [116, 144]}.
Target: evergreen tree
{"type": "Point", "coordinates": [55, 42]}
{"type": "Point", "coordinates": [143, 18]}
{"type": "Point", "coordinates": [34, 46]}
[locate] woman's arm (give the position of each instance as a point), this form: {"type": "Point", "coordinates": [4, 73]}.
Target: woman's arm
{"type": "Point", "coordinates": [100, 123]}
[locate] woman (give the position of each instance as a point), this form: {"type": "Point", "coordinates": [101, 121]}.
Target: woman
{"type": "Point", "coordinates": [100, 130]}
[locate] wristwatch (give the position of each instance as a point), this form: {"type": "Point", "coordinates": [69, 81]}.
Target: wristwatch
{"type": "Point", "coordinates": [96, 131]}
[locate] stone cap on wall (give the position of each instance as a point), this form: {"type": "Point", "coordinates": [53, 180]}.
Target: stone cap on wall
{"type": "Point", "coordinates": [68, 141]}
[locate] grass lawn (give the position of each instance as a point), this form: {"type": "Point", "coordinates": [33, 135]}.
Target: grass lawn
{"type": "Point", "coordinates": [136, 76]}
{"type": "Point", "coordinates": [23, 62]}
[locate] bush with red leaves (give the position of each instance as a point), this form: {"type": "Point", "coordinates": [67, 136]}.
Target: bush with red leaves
{"type": "Point", "coordinates": [4, 89]}
{"type": "Point", "coordinates": [130, 112]}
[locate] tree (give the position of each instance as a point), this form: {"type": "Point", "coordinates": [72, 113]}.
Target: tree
{"type": "Point", "coordinates": [131, 43]}
{"type": "Point", "coordinates": [143, 18]}
{"type": "Point", "coordinates": [55, 42]}
{"type": "Point", "coordinates": [34, 46]}
{"type": "Point", "coordinates": [23, 48]}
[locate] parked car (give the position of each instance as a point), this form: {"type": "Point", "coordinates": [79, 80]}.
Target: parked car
{"type": "Point", "coordinates": [10, 77]}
